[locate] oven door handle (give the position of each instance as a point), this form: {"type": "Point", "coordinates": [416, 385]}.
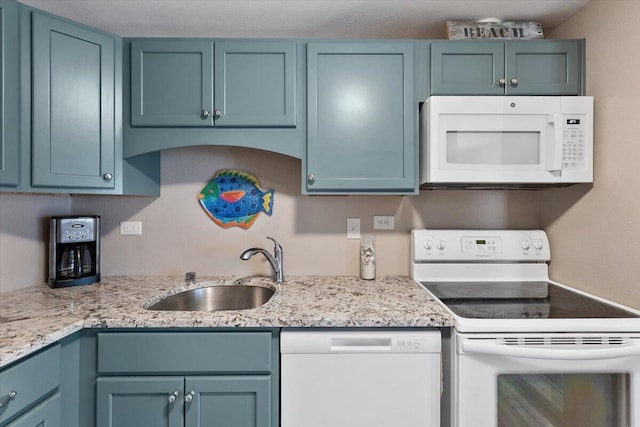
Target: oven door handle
{"type": "Point", "coordinates": [530, 352]}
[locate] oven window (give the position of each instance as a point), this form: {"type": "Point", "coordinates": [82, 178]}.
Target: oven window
{"type": "Point", "coordinates": [493, 148]}
{"type": "Point", "coordinates": [554, 400]}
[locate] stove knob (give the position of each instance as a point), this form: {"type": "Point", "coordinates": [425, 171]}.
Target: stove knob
{"type": "Point", "coordinates": [440, 245]}
{"type": "Point", "coordinates": [525, 244]}
{"type": "Point", "coordinates": [524, 315]}
{"type": "Point", "coordinates": [427, 245]}
{"type": "Point", "coordinates": [538, 244]}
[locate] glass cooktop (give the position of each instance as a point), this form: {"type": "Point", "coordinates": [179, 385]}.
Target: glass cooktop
{"type": "Point", "coordinates": [520, 300]}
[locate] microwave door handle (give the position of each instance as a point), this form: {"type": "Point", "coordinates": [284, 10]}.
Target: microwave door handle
{"type": "Point", "coordinates": [554, 157]}
{"type": "Point", "coordinates": [554, 353]}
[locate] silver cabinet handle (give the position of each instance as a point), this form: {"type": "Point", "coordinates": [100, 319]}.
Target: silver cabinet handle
{"type": "Point", "coordinates": [107, 176]}
{"type": "Point", "coordinates": [205, 114]}
{"type": "Point", "coordinates": [513, 82]}
{"type": "Point", "coordinates": [173, 396]}
{"type": "Point", "coordinates": [217, 114]}
{"type": "Point", "coordinates": [501, 82]}
{"type": "Point", "coordinates": [4, 401]}
{"type": "Point", "coordinates": [189, 397]}
{"type": "Point", "coordinates": [311, 179]}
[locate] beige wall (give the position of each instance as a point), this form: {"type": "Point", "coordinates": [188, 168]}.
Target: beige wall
{"type": "Point", "coordinates": [24, 234]}
{"type": "Point", "coordinates": [179, 237]}
{"type": "Point", "coordinates": [595, 234]}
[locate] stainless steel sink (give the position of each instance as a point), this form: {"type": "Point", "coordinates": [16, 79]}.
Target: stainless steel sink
{"type": "Point", "coordinates": [214, 298]}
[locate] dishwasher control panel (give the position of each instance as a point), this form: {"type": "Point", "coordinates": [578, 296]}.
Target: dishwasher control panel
{"type": "Point", "coordinates": [320, 342]}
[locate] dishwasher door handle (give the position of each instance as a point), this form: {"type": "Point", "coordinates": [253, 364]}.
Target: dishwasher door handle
{"type": "Point", "coordinates": [347, 344]}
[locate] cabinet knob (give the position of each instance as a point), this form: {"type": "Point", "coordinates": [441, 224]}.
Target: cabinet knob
{"type": "Point", "coordinates": [189, 397]}
{"type": "Point", "coordinates": [173, 396]}
{"type": "Point", "coordinates": [513, 82]}
{"type": "Point", "coordinates": [4, 400]}
{"type": "Point", "coordinates": [107, 176]}
{"type": "Point", "coordinates": [205, 114]}
{"type": "Point", "coordinates": [501, 82]}
{"type": "Point", "coordinates": [311, 179]}
{"type": "Point", "coordinates": [217, 114]}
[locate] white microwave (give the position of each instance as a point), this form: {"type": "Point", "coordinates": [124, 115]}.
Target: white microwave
{"type": "Point", "coordinates": [495, 141]}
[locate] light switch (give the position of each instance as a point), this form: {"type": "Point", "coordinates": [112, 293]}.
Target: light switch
{"type": "Point", "coordinates": [353, 228]}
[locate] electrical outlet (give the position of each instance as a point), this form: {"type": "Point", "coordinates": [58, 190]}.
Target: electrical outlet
{"type": "Point", "coordinates": [353, 228]}
{"type": "Point", "coordinates": [384, 222]}
{"type": "Point", "coordinates": [131, 228]}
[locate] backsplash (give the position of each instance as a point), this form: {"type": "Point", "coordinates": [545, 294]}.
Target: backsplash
{"type": "Point", "coordinates": [178, 236]}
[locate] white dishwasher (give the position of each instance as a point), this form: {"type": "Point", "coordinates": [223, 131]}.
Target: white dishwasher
{"type": "Point", "coordinates": [386, 378]}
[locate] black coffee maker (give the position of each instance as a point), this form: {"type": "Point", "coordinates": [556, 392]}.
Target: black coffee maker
{"type": "Point", "coordinates": [74, 250]}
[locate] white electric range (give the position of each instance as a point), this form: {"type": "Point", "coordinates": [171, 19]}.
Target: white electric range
{"type": "Point", "coordinates": [524, 350]}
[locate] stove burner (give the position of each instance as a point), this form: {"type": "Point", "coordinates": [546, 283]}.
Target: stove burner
{"type": "Point", "coordinates": [520, 300]}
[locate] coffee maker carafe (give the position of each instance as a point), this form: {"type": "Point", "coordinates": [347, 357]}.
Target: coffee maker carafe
{"type": "Point", "coordinates": [74, 250]}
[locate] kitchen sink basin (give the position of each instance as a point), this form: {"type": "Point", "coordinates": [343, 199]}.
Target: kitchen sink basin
{"type": "Point", "coordinates": [214, 298]}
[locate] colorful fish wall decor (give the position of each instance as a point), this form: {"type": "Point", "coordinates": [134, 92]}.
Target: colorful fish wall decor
{"type": "Point", "coordinates": [234, 198]}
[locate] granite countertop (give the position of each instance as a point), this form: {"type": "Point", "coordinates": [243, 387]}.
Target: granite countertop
{"type": "Point", "coordinates": [34, 317]}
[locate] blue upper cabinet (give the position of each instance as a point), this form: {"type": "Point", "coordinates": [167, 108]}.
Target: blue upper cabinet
{"type": "Point", "coordinates": [172, 83]}
{"type": "Point", "coordinates": [9, 92]}
{"type": "Point", "coordinates": [204, 83]}
{"type": "Point", "coordinates": [73, 95]}
{"type": "Point", "coordinates": [467, 67]}
{"type": "Point", "coordinates": [361, 118]}
{"type": "Point", "coordinates": [255, 83]}
{"type": "Point", "coordinates": [543, 67]}
{"type": "Point", "coordinates": [531, 67]}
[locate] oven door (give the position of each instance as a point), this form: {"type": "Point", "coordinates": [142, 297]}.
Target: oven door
{"type": "Point", "coordinates": [549, 380]}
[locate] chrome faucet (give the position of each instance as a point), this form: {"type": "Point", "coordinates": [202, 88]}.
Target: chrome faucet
{"type": "Point", "coordinates": [275, 260]}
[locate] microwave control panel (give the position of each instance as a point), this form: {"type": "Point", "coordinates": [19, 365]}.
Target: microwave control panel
{"type": "Point", "coordinates": [573, 152]}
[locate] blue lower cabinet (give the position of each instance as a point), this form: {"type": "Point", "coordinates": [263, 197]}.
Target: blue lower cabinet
{"type": "Point", "coordinates": [46, 414]}
{"type": "Point", "coordinates": [28, 382]}
{"type": "Point", "coordinates": [238, 401]}
{"type": "Point", "coordinates": [140, 402]}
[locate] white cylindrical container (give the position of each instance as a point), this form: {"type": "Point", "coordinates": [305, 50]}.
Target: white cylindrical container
{"type": "Point", "coordinates": [368, 257]}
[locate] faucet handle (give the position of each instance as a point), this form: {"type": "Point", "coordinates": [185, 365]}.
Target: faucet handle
{"type": "Point", "coordinates": [190, 276]}
{"type": "Point", "coordinates": [276, 246]}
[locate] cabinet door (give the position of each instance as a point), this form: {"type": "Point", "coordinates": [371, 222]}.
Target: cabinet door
{"type": "Point", "coordinates": [543, 67]}
{"type": "Point", "coordinates": [73, 140]}
{"type": "Point", "coordinates": [9, 87]}
{"type": "Point", "coordinates": [255, 83]}
{"type": "Point", "coordinates": [171, 83]}
{"type": "Point", "coordinates": [139, 401]}
{"type": "Point", "coordinates": [361, 118]}
{"type": "Point", "coordinates": [46, 414]}
{"type": "Point", "coordinates": [467, 67]}
{"type": "Point", "coordinates": [238, 401]}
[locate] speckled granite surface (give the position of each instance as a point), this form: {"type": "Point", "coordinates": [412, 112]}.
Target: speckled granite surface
{"type": "Point", "coordinates": [34, 317]}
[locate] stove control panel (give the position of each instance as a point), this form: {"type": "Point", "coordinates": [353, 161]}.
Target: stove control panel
{"type": "Point", "coordinates": [480, 245]}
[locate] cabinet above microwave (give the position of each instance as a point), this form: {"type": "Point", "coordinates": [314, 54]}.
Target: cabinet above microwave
{"type": "Point", "coordinates": [486, 141]}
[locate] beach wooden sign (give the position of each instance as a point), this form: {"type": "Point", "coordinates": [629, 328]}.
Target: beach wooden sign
{"type": "Point", "coordinates": [523, 30]}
